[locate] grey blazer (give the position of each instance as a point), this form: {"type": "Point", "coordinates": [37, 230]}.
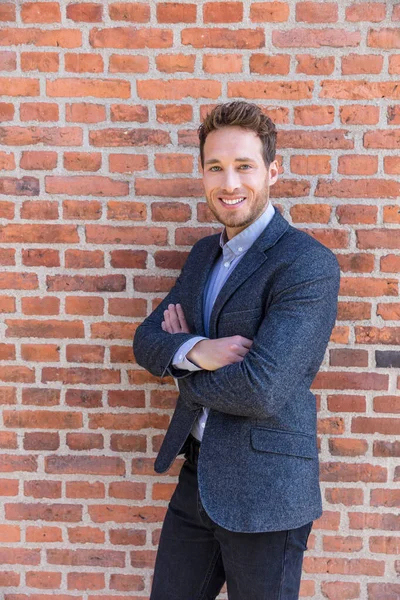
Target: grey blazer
{"type": "Point", "coordinates": [258, 463]}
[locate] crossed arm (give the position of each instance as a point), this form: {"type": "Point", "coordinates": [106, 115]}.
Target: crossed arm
{"type": "Point", "coordinates": [207, 354]}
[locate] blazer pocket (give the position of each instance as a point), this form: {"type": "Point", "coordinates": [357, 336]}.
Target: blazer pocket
{"type": "Point", "coordinates": [284, 442]}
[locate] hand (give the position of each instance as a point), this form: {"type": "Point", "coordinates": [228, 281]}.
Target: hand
{"type": "Point", "coordinates": [174, 320]}
{"type": "Point", "coordinates": [214, 354]}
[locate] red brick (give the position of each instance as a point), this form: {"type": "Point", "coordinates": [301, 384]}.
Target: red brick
{"type": "Point", "coordinates": [176, 12]}
{"type": "Point", "coordinates": [127, 307]}
{"type": "Point", "coordinates": [138, 12]}
{"type": "Point", "coordinates": [108, 234]}
{"type": "Point", "coordinates": [85, 581]}
{"type": "Point", "coordinates": [174, 113]}
{"type": "Point", "coordinates": [128, 537]}
{"type": "Point", "coordinates": [44, 512]}
{"type": "Point", "coordinates": [84, 259]}
{"type": "Point", "coordinates": [127, 114]}
{"type": "Point", "coordinates": [127, 489]}
{"type": "Point", "coordinates": [86, 12]}
{"type": "Point", "coordinates": [127, 421]}
{"type": "Point", "coordinates": [387, 404]}
{"type": "Point", "coordinates": [44, 62]}
{"type": "Point", "coordinates": [356, 114]}
{"type": "Point", "coordinates": [42, 489]}
{"type": "Point", "coordinates": [40, 257]}
{"type": "Point", "coordinates": [384, 37]}
{"type": "Point", "coordinates": [315, 12]}
{"type": "Point", "coordinates": [347, 447]}
{"type": "Point", "coordinates": [357, 214]}
{"type": "Point", "coordinates": [270, 12]}
{"type": "Point", "coordinates": [38, 234]}
{"type": "Point", "coordinates": [310, 165]}
{"type": "Point", "coordinates": [170, 259]}
{"type": "Point", "coordinates": [391, 214]}
{"type": "Point", "coordinates": [119, 513]}
{"type": "Point", "coordinates": [130, 38]}
{"type": "Point", "coordinates": [42, 419]}
{"type": "Point", "coordinates": [390, 263]}
{"type": "Point", "coordinates": [84, 441]}
{"type": "Point", "coordinates": [128, 211]}
{"type": "Point", "coordinates": [347, 544]}
{"type": "Point", "coordinates": [82, 161]}
{"type": "Point", "coordinates": [128, 64]}
{"type": "Point", "coordinates": [76, 375]}
{"type": "Point", "coordinates": [19, 556]}
{"type": "Point", "coordinates": [315, 38]}
{"type": "Point", "coordinates": [64, 38]}
{"type": "Point", "coordinates": [313, 115]}
{"type": "Point", "coordinates": [87, 465]}
{"type": "Point", "coordinates": [79, 305]}
{"type": "Point", "coordinates": [123, 163]}
{"type": "Point", "coordinates": [86, 283]}
{"type": "Point", "coordinates": [9, 487]}
{"type": "Point", "coordinates": [357, 165]}
{"type": "Point", "coordinates": [83, 489]}
{"type": "Point", "coordinates": [314, 65]}
{"type": "Point", "coordinates": [222, 63]}
{"type": "Point", "coordinates": [368, 286]}
{"type": "Point", "coordinates": [366, 11]}
{"type": "Point", "coordinates": [86, 535]}
{"type": "Point", "coordinates": [350, 381]}
{"type": "Point", "coordinates": [389, 311]}
{"type": "Point", "coordinates": [385, 426]}
{"type": "Point", "coordinates": [42, 440]}
{"type": "Point", "coordinates": [85, 353]}
{"type": "Point", "coordinates": [356, 263]}
{"type": "Point", "coordinates": [84, 112]}
{"type": "Point", "coordinates": [127, 583]}
{"type": "Point", "coordinates": [40, 352]}
{"type": "Point", "coordinates": [90, 558]}
{"type": "Point", "coordinates": [175, 63]}
{"type": "Point", "coordinates": [222, 12]}
{"type": "Point", "coordinates": [39, 160]}
{"type": "Point", "coordinates": [128, 443]}
{"type": "Point", "coordinates": [44, 329]}
{"type": "Point", "coordinates": [362, 64]}
{"type": "Point", "coordinates": [83, 63]}
{"type": "Point", "coordinates": [340, 590]}
{"type": "Point", "coordinates": [43, 534]}
{"type": "Point", "coordinates": [345, 496]}
{"type": "Point", "coordinates": [344, 566]}
{"type": "Point", "coordinates": [388, 498]}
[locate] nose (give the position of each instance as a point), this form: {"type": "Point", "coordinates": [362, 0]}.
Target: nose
{"type": "Point", "coordinates": [231, 181]}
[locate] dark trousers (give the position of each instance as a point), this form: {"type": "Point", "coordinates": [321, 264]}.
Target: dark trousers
{"type": "Point", "coordinates": [196, 556]}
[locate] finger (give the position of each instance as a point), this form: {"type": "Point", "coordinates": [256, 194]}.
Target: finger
{"type": "Point", "coordinates": [173, 316]}
{"type": "Point", "coordinates": [182, 319]}
{"type": "Point", "coordinates": [245, 342]}
{"type": "Point", "coordinates": [167, 321]}
{"type": "Point", "coordinates": [238, 350]}
{"type": "Point", "coordinates": [163, 326]}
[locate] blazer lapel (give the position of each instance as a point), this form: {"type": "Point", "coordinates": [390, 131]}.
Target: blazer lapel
{"type": "Point", "coordinates": [207, 255]}
{"type": "Point", "coordinates": [254, 258]}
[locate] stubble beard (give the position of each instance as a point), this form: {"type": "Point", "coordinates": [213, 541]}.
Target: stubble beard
{"type": "Point", "coordinates": [236, 221]}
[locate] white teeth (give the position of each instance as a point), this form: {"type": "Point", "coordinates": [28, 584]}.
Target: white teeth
{"type": "Point", "coordinates": [232, 201]}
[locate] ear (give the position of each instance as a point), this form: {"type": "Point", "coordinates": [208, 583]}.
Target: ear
{"type": "Point", "coordinates": [273, 171]}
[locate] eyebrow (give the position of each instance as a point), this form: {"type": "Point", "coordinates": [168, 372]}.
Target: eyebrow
{"type": "Point", "coordinates": [213, 161]}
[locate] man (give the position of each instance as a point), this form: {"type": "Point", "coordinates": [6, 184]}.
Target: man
{"type": "Point", "coordinates": [244, 331]}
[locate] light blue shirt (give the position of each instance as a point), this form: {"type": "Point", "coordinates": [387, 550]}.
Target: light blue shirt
{"type": "Point", "coordinates": [232, 252]}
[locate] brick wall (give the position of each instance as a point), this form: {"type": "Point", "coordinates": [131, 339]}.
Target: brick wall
{"type": "Point", "coordinates": [101, 199]}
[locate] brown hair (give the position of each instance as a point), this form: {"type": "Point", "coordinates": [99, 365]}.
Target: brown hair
{"type": "Point", "coordinates": [241, 114]}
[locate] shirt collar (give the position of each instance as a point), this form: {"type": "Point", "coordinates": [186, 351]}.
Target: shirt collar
{"type": "Point", "coordinates": [239, 244]}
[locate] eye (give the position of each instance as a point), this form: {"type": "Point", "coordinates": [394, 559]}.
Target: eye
{"type": "Point", "coordinates": [213, 168]}
{"type": "Point", "coordinates": [245, 167]}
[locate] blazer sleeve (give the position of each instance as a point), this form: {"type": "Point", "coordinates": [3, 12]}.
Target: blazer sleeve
{"type": "Point", "coordinates": [287, 350]}
{"type": "Point", "coordinates": [154, 349]}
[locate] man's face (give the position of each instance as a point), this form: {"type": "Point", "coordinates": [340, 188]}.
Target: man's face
{"type": "Point", "coordinates": [235, 177]}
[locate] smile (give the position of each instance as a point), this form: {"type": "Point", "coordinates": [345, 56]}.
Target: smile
{"type": "Point", "coordinates": [232, 201]}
